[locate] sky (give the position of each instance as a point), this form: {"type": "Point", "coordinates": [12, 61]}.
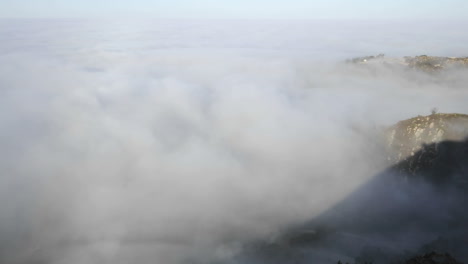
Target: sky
{"type": "Point", "coordinates": [240, 9]}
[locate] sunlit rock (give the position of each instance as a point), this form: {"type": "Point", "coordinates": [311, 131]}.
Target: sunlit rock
{"type": "Point", "coordinates": [409, 136]}
{"type": "Point", "coordinates": [434, 63]}
{"type": "Point", "coordinates": [423, 62]}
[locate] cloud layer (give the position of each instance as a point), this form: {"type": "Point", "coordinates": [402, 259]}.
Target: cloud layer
{"type": "Point", "coordinates": [174, 141]}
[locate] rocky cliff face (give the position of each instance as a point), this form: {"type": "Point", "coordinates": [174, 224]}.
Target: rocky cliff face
{"type": "Point", "coordinates": [409, 136]}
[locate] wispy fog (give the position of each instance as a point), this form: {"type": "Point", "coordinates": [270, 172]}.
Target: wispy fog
{"type": "Point", "coordinates": [174, 141]}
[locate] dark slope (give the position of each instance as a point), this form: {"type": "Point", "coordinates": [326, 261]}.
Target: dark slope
{"type": "Point", "coordinates": [414, 207]}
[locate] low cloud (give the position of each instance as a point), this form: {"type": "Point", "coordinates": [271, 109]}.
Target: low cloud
{"type": "Point", "coordinates": [162, 145]}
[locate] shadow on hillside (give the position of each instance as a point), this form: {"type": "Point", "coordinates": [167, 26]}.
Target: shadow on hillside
{"type": "Point", "coordinates": [414, 207]}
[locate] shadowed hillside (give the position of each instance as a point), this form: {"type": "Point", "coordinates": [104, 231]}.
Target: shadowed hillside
{"type": "Point", "coordinates": [413, 208]}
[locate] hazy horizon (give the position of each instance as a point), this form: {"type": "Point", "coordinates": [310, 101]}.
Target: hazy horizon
{"type": "Point", "coordinates": [253, 9]}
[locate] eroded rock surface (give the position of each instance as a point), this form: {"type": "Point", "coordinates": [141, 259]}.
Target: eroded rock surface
{"type": "Point", "coordinates": [409, 136]}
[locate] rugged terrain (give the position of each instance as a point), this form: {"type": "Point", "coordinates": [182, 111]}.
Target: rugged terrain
{"type": "Point", "coordinates": [422, 62]}
{"type": "Point", "coordinates": [409, 136]}
{"type": "Point", "coordinates": [413, 212]}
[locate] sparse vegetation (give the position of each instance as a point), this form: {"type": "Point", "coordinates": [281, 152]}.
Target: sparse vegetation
{"type": "Point", "coordinates": [423, 62]}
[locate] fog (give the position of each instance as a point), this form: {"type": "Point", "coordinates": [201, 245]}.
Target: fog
{"type": "Point", "coordinates": [181, 141]}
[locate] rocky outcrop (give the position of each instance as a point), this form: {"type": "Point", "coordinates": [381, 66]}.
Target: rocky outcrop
{"type": "Point", "coordinates": [422, 62]}
{"type": "Point", "coordinates": [365, 59]}
{"type": "Point", "coordinates": [409, 136]}
{"type": "Point", "coordinates": [433, 63]}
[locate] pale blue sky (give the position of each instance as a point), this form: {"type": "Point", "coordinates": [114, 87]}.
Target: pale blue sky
{"type": "Point", "coordinates": [251, 9]}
